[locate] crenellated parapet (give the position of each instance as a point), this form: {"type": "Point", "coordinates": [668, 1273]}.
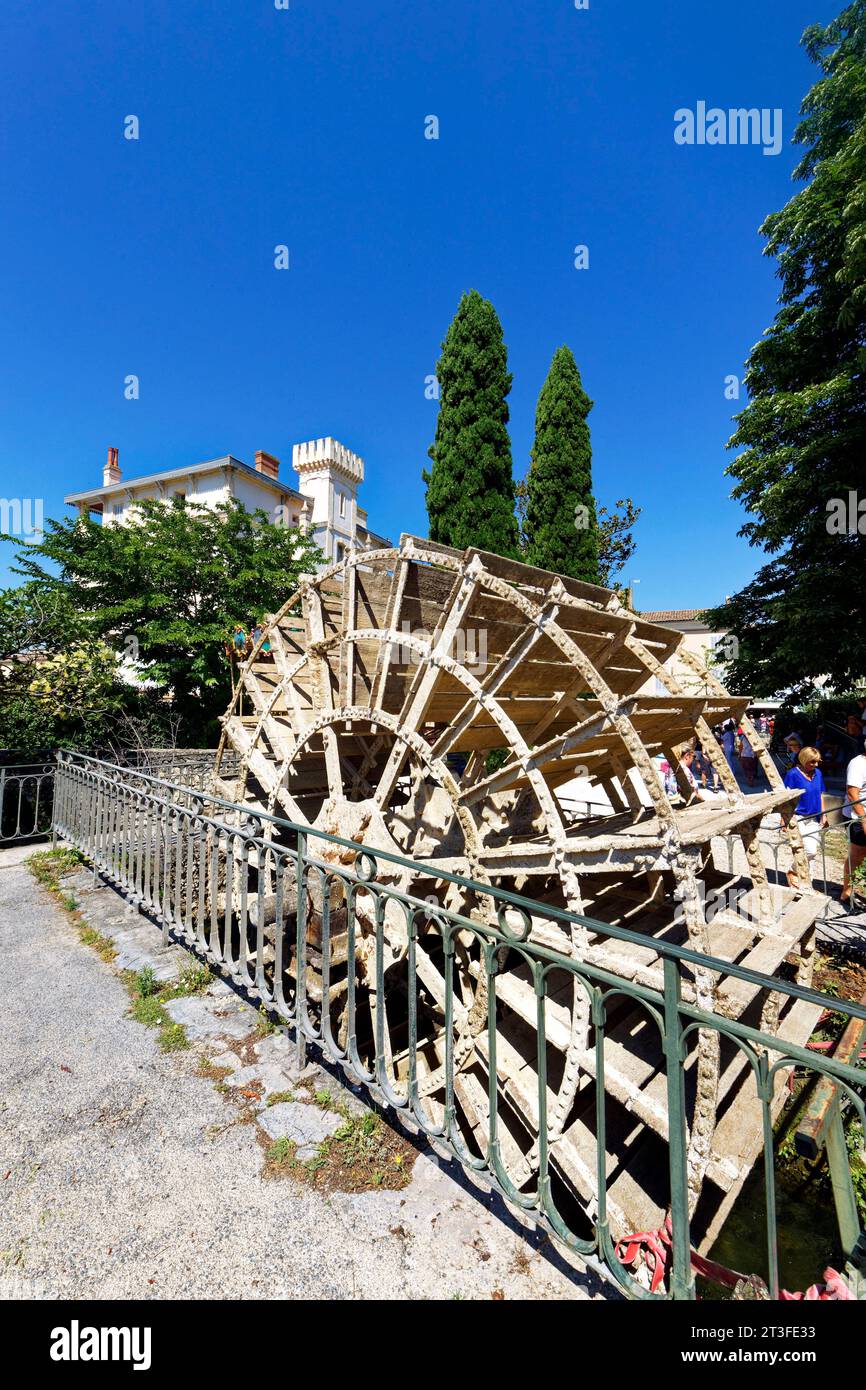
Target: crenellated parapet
{"type": "Point", "coordinates": [316, 455]}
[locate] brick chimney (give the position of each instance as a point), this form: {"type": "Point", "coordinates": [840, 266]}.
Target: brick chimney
{"type": "Point", "coordinates": [111, 471]}
{"type": "Point", "coordinates": [267, 464]}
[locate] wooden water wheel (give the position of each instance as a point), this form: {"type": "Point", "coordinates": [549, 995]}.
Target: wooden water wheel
{"type": "Point", "coordinates": [441, 705]}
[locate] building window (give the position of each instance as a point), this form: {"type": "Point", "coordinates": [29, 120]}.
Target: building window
{"type": "Point", "coordinates": [181, 495]}
{"type": "Point", "coordinates": [342, 497]}
{"type": "Point", "coordinates": [339, 553]}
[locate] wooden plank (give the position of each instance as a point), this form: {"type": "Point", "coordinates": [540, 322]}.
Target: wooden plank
{"type": "Point", "coordinates": [516, 991]}
{"type": "Point", "coordinates": [733, 995]}
{"type": "Point", "coordinates": [810, 1135]}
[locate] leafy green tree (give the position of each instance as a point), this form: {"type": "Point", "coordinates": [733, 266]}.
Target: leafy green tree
{"type": "Point", "coordinates": [802, 437]}
{"type": "Point", "coordinates": [470, 488]}
{"type": "Point", "coordinates": [561, 526]}
{"type": "Point", "coordinates": [58, 683]}
{"type": "Point", "coordinates": [616, 543]}
{"type": "Point", "coordinates": [164, 592]}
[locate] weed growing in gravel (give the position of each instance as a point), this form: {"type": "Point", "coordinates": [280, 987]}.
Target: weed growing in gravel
{"type": "Point", "coordinates": [362, 1154]}
{"type": "Point", "coordinates": [282, 1151]}
{"type": "Point", "coordinates": [194, 978]}
{"type": "Point", "coordinates": [102, 945]}
{"type": "Point", "coordinates": [49, 865]}
{"type": "Point", "coordinates": [264, 1024]}
{"type": "Point", "coordinates": [277, 1097]}
{"type": "Point", "coordinates": [145, 982]}
{"type": "Point", "coordinates": [149, 1008]}
{"type": "Point", "coordinates": [149, 1011]}
{"type": "Point", "coordinates": [356, 1135]}
{"type": "Point", "coordinates": [14, 1258]}
{"type": "Point", "coordinates": [173, 1038]}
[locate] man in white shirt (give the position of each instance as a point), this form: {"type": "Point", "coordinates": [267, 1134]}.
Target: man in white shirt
{"type": "Point", "coordinates": [855, 814]}
{"type": "Point", "coordinates": [687, 757]}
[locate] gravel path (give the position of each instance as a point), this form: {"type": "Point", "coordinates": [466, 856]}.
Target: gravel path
{"type": "Point", "coordinates": [125, 1174]}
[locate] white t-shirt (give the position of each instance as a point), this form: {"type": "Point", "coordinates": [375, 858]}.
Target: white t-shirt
{"type": "Point", "coordinates": [855, 777]}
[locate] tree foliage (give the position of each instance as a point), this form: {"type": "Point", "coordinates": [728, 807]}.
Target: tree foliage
{"type": "Point", "coordinates": [164, 592]}
{"type": "Point", "coordinates": [616, 543]}
{"type": "Point", "coordinates": [470, 489]}
{"type": "Point", "coordinates": [560, 522]}
{"type": "Point", "coordinates": [58, 683]}
{"type": "Point", "coordinates": [802, 437]}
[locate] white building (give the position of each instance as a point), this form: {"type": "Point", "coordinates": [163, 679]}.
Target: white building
{"type": "Point", "coordinates": [712, 648]}
{"type": "Point", "coordinates": [325, 501]}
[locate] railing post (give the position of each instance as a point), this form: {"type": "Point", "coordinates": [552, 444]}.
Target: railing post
{"type": "Point", "coordinates": [56, 794]}
{"type": "Point", "coordinates": [842, 1183]}
{"type": "Point", "coordinates": [301, 954]}
{"type": "Point", "coordinates": [765, 1084]}
{"type": "Point", "coordinates": [681, 1284]}
{"type": "Point", "coordinates": [95, 845]}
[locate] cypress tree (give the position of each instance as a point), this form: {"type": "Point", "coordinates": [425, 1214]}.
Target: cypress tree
{"type": "Point", "coordinates": [470, 488]}
{"type": "Point", "coordinates": [561, 527]}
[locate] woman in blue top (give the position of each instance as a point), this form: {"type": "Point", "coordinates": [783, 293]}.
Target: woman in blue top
{"type": "Point", "coordinates": [806, 777]}
{"type": "Point", "coordinates": [729, 739]}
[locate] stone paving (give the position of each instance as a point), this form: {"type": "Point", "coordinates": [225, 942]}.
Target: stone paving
{"type": "Point", "coordinates": [126, 1173]}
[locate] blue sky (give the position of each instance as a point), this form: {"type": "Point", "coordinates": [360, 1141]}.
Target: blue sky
{"type": "Point", "coordinates": [306, 127]}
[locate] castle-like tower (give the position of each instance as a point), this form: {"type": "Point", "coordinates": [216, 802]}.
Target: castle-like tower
{"type": "Point", "coordinates": [329, 475]}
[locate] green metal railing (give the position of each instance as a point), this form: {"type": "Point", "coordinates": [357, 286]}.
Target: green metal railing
{"type": "Point", "coordinates": [190, 767]}
{"type": "Point", "coordinates": [189, 858]}
{"type": "Point", "coordinates": [25, 801]}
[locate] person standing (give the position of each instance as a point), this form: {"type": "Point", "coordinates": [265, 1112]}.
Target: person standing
{"type": "Point", "coordinates": [806, 778]}
{"type": "Point", "coordinates": [793, 749]}
{"type": "Point", "coordinates": [748, 760]}
{"type": "Point", "coordinates": [854, 812]}
{"type": "Point", "coordinates": [728, 743]}
{"type": "Point", "coordinates": [705, 770]}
